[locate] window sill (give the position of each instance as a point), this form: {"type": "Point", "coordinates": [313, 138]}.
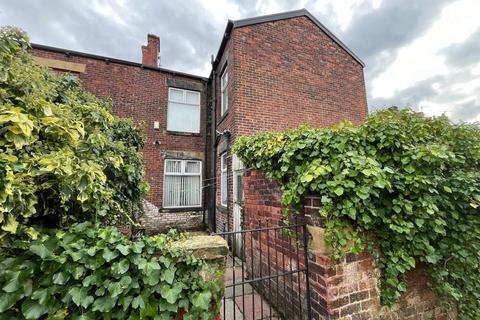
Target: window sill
{"type": "Point", "coordinates": [187, 134]}
{"type": "Point", "coordinates": [222, 208]}
{"type": "Point", "coordinates": [181, 209]}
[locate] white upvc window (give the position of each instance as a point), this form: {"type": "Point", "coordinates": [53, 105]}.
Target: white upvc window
{"type": "Point", "coordinates": [223, 180]}
{"type": "Point", "coordinates": [183, 114]}
{"type": "Point", "coordinates": [224, 91]}
{"type": "Point", "coordinates": [182, 183]}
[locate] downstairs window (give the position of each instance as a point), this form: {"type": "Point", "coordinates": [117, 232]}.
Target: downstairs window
{"type": "Point", "coordinates": [182, 183]}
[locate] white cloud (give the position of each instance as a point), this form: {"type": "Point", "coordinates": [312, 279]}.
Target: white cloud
{"type": "Point", "coordinates": [220, 10]}
{"type": "Point", "coordinates": [111, 10]}
{"type": "Point", "coordinates": [417, 52]}
{"type": "Point", "coordinates": [421, 59]}
{"type": "Point", "coordinates": [468, 87]}
{"type": "Point", "coordinates": [343, 10]}
{"type": "Point", "coordinates": [268, 7]}
{"type": "Point", "coordinates": [476, 70]}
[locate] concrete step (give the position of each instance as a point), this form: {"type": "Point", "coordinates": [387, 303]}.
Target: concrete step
{"type": "Point", "coordinates": [239, 290]}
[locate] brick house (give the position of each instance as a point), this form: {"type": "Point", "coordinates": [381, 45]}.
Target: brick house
{"type": "Point", "coordinates": [278, 72]}
{"type": "Point", "coordinates": [271, 73]}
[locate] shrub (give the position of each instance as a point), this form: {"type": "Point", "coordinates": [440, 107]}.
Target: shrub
{"type": "Point", "coordinates": [67, 168]}
{"type": "Point", "coordinates": [96, 273]}
{"type": "Point", "coordinates": [63, 156]}
{"type": "Point", "coordinates": [408, 184]}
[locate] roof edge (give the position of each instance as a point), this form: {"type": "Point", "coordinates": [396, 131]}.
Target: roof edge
{"type": "Point", "coordinates": [225, 37]}
{"type": "Point", "coordinates": [269, 17]}
{"type": "Point", "coordinates": [113, 60]}
{"type": "Point", "coordinates": [294, 14]}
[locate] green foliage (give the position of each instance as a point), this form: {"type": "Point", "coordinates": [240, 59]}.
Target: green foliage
{"type": "Point", "coordinates": [64, 157]}
{"type": "Point", "coordinates": [409, 187]}
{"type": "Point", "coordinates": [96, 273]}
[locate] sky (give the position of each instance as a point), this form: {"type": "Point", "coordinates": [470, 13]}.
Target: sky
{"type": "Point", "coordinates": [419, 53]}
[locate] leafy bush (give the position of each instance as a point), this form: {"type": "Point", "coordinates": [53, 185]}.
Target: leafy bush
{"type": "Point", "coordinates": [67, 166]}
{"type": "Point", "coordinates": [96, 273]}
{"type": "Point", "coordinates": [63, 156]}
{"type": "Point", "coordinates": [408, 186]}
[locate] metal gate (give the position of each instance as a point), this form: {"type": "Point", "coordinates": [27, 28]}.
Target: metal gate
{"type": "Point", "coordinates": [268, 279]}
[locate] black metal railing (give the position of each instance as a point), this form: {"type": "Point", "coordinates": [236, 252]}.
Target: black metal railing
{"type": "Point", "coordinates": [268, 268]}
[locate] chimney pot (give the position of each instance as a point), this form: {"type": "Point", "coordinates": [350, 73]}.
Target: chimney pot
{"type": "Point", "coordinates": [151, 51]}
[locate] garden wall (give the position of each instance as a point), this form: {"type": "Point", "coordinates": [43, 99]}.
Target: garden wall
{"type": "Point", "coordinates": [345, 290]}
{"type": "Point", "coordinates": [272, 251]}
{"type": "Point", "coordinates": [213, 250]}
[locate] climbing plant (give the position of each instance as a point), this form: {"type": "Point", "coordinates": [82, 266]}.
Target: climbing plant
{"type": "Point", "coordinates": [88, 272]}
{"type": "Point", "coordinates": [68, 169]}
{"type": "Point", "coordinates": [63, 156]}
{"type": "Point", "coordinates": [403, 186]}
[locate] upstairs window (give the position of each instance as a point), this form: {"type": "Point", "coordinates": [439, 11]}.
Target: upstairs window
{"type": "Point", "coordinates": [224, 180]}
{"type": "Point", "coordinates": [182, 184]}
{"type": "Point", "coordinates": [183, 113]}
{"type": "Point", "coordinates": [224, 91]}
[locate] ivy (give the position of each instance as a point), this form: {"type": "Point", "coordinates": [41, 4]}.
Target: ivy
{"type": "Point", "coordinates": [403, 186]}
{"type": "Point", "coordinates": [87, 272]}
{"type": "Point", "coordinates": [68, 168]}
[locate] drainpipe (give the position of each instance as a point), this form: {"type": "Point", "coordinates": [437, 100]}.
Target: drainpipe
{"type": "Point", "coordinates": [213, 156]}
{"type": "Point", "coordinates": [228, 135]}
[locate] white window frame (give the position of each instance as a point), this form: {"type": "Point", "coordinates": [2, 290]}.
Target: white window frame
{"type": "Point", "coordinates": [224, 91]}
{"type": "Point", "coordinates": [185, 174]}
{"type": "Point", "coordinates": [223, 171]}
{"type": "Point", "coordinates": [184, 101]}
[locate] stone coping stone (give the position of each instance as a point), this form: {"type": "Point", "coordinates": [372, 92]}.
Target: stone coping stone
{"type": "Point", "coordinates": [204, 247]}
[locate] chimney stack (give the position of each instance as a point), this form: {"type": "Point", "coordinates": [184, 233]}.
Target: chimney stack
{"type": "Point", "coordinates": [151, 51]}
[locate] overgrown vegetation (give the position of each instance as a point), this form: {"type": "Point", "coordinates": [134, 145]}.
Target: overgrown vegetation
{"type": "Point", "coordinates": [68, 169]}
{"type": "Point", "coordinates": [403, 186]}
{"type": "Point", "coordinates": [63, 156]}
{"type": "Point", "coordinates": [96, 273]}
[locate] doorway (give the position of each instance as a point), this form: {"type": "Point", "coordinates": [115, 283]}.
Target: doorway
{"type": "Point", "coordinates": [237, 173]}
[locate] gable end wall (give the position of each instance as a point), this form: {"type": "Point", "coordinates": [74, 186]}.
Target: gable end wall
{"type": "Point", "coordinates": [292, 74]}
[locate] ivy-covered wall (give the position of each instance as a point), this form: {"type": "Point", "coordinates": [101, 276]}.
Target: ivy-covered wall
{"type": "Point", "coordinates": [402, 186]}
{"type": "Point", "coordinates": [91, 273]}
{"type": "Point", "coordinates": [346, 289]}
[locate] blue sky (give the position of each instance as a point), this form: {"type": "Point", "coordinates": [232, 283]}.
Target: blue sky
{"type": "Point", "coordinates": [419, 53]}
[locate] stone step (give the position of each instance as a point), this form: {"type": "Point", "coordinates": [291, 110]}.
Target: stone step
{"type": "Point", "coordinates": [233, 262]}
{"type": "Point", "coordinates": [239, 290]}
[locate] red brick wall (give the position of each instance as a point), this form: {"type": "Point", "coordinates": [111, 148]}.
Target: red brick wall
{"type": "Point", "coordinates": [284, 74]}
{"type": "Point", "coordinates": [272, 251]}
{"type": "Point", "coordinates": [141, 94]}
{"type": "Point", "coordinates": [225, 122]}
{"type": "Point", "coordinates": [344, 290]}
{"type": "Point", "coordinates": [292, 73]}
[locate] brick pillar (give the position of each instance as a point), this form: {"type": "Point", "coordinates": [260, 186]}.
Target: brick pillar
{"type": "Point", "coordinates": [151, 51]}
{"type": "Point", "coordinates": [348, 289]}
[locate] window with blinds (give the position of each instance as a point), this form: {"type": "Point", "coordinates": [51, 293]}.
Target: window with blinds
{"type": "Point", "coordinates": [182, 184]}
